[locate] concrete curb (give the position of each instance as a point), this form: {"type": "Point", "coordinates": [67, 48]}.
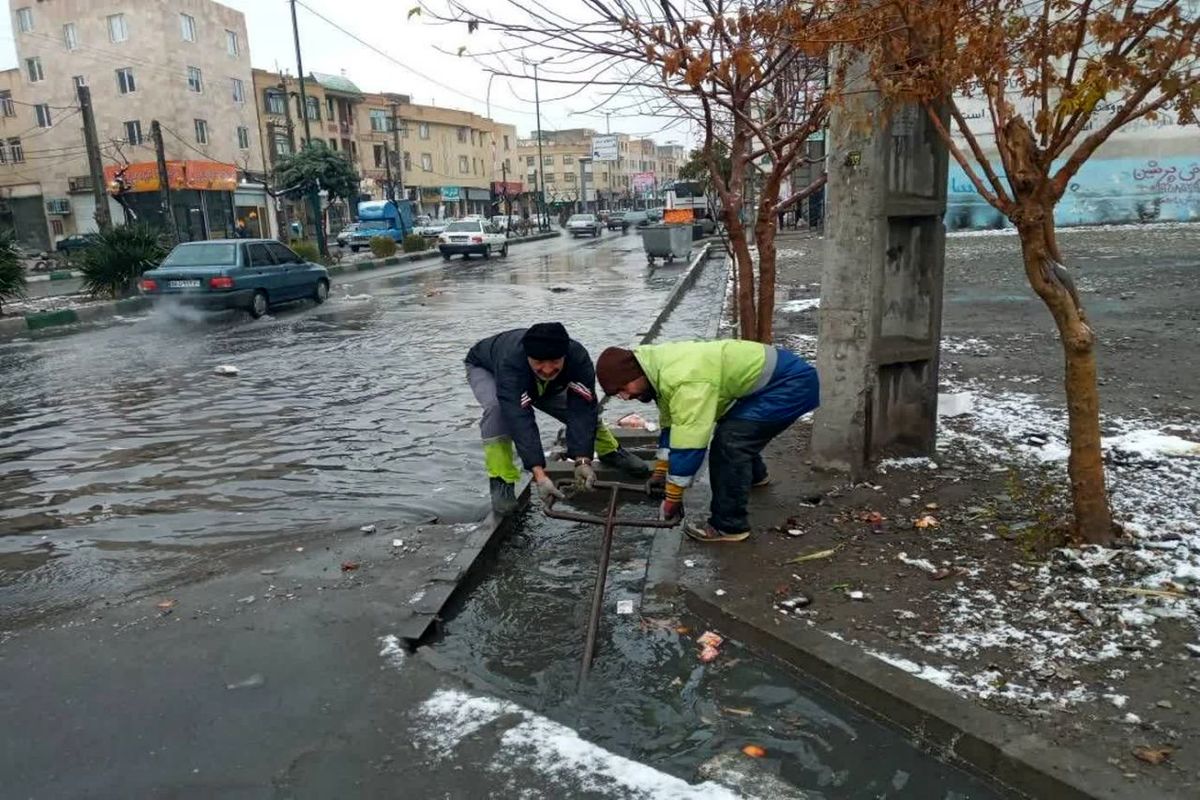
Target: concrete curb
{"type": "Point", "coordinates": [1002, 749]}
{"type": "Point", "coordinates": [11, 327]}
{"type": "Point", "coordinates": [685, 282]}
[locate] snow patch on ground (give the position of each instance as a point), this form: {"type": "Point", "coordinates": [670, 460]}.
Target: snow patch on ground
{"type": "Point", "coordinates": [797, 306]}
{"type": "Point", "coordinates": [916, 462]}
{"type": "Point", "coordinates": [392, 652]}
{"type": "Point", "coordinates": [550, 749]}
{"type": "Point", "coordinates": [1082, 605]}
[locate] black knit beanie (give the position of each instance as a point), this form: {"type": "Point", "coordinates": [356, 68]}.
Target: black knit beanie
{"type": "Point", "coordinates": [546, 341]}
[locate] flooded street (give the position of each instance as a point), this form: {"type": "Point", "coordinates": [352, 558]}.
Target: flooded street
{"type": "Point", "coordinates": [125, 459]}
{"type": "Point", "coordinates": [127, 463]}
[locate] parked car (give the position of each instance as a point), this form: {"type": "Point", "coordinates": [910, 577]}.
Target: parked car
{"type": "Point", "coordinates": [506, 222]}
{"type": "Point", "coordinates": [653, 216]}
{"type": "Point", "coordinates": [616, 221]}
{"type": "Point", "coordinates": [428, 227]}
{"type": "Point", "coordinates": [472, 237]}
{"type": "Point", "coordinates": [581, 224]}
{"type": "Point", "coordinates": [68, 245]}
{"type": "Point", "coordinates": [343, 237]}
{"type": "Point", "coordinates": [249, 274]}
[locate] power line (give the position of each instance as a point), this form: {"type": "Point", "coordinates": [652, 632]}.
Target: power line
{"type": "Point", "coordinates": [400, 63]}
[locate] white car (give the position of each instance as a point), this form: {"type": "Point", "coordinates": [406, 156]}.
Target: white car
{"type": "Point", "coordinates": [467, 237]}
{"type": "Point", "coordinates": [580, 224]}
{"type": "Point", "coordinates": [429, 228]}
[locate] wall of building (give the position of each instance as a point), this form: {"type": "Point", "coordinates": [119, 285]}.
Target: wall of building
{"type": "Point", "coordinates": [1149, 171]}
{"type": "Point", "coordinates": [158, 54]}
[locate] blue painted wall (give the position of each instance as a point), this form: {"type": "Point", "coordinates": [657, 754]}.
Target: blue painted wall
{"type": "Point", "coordinates": [1105, 191]}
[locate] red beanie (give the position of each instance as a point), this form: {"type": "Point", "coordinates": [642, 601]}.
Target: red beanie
{"type": "Point", "coordinates": [615, 368]}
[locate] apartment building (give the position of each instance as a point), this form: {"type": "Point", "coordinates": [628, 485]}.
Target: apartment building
{"type": "Point", "coordinates": [642, 169]}
{"type": "Point", "coordinates": [452, 162]}
{"type": "Point", "coordinates": [185, 63]}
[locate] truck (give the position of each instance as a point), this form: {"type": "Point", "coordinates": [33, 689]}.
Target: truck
{"type": "Point", "coordinates": [390, 218]}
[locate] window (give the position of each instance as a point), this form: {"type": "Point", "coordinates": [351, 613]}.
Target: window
{"type": "Point", "coordinates": [125, 83]}
{"type": "Point", "coordinates": [313, 108]}
{"type": "Point", "coordinates": [56, 227]}
{"type": "Point", "coordinates": [462, 134]}
{"type": "Point", "coordinates": [79, 80]}
{"type": "Point", "coordinates": [283, 146]}
{"type": "Point", "coordinates": [201, 131]}
{"type": "Point", "coordinates": [42, 111]}
{"type": "Point", "coordinates": [70, 36]}
{"type": "Point", "coordinates": [259, 256]}
{"type": "Point", "coordinates": [231, 43]}
{"type": "Point", "coordinates": [569, 177]}
{"type": "Point", "coordinates": [548, 177]}
{"type": "Point", "coordinates": [243, 134]}
{"type": "Point", "coordinates": [329, 115]}
{"type": "Point", "coordinates": [117, 30]}
{"type": "Point", "coordinates": [276, 102]}
{"type": "Point", "coordinates": [380, 121]}
{"type": "Point", "coordinates": [568, 160]}
{"type": "Point", "coordinates": [283, 254]}
{"type": "Point", "coordinates": [530, 161]}
{"type": "Point", "coordinates": [34, 67]}
{"type": "Point", "coordinates": [463, 165]}
{"type": "Point", "coordinates": [15, 152]}
{"type": "Point", "coordinates": [333, 144]}
{"type": "Point", "coordinates": [239, 90]}
{"type": "Point", "coordinates": [473, 138]}
{"type": "Point", "coordinates": [407, 161]}
{"type": "Point", "coordinates": [506, 145]}
{"type": "Point", "coordinates": [133, 132]}
{"type": "Point", "coordinates": [547, 161]}
{"type": "Point", "coordinates": [7, 106]}
{"type": "Point", "coordinates": [195, 81]}
{"type": "Point", "coordinates": [187, 27]}
{"type": "Point", "coordinates": [423, 130]}
{"type": "Point", "coordinates": [378, 152]}
{"type": "Point", "coordinates": [24, 20]}
{"type": "Point", "coordinates": [426, 162]}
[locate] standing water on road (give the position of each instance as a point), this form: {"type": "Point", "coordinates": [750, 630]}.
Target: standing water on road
{"type": "Point", "coordinates": [124, 460]}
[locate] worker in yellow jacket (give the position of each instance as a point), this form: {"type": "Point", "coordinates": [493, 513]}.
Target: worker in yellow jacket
{"type": "Point", "coordinates": [728, 397]}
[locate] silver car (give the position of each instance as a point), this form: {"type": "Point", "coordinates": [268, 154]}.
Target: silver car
{"type": "Point", "coordinates": [584, 224]}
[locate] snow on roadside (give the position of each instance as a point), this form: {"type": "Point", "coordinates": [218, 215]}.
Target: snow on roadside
{"type": "Point", "coordinates": [1082, 606]}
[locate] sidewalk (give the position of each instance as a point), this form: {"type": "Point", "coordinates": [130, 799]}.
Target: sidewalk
{"type": "Point", "coordinates": [937, 595]}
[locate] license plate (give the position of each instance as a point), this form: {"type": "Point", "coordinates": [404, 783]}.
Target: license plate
{"type": "Point", "coordinates": [184, 284]}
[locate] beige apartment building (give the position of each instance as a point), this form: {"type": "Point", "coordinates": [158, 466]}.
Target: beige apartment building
{"type": "Point", "coordinates": [637, 178]}
{"type": "Point", "coordinates": [453, 163]}
{"type": "Point", "coordinates": [185, 63]}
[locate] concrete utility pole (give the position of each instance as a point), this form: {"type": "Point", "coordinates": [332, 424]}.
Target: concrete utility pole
{"type": "Point", "coordinates": [399, 154]}
{"type": "Point", "coordinates": [164, 181]}
{"type": "Point", "coordinates": [537, 105]}
{"type": "Point", "coordinates": [95, 165]}
{"type": "Point", "coordinates": [314, 197]}
{"type": "Point", "coordinates": [881, 284]}
{"type": "Point", "coordinates": [387, 165]}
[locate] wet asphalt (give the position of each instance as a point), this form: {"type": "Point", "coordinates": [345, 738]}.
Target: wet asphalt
{"type": "Point", "coordinates": [126, 463]}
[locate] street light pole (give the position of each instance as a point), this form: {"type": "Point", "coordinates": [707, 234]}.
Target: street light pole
{"type": "Point", "coordinates": [314, 198]}
{"type": "Point", "coordinates": [537, 105]}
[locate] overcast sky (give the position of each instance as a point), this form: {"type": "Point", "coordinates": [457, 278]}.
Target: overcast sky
{"type": "Point", "coordinates": [419, 69]}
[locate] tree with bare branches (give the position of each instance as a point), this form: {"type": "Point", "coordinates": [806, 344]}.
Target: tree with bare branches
{"type": "Point", "coordinates": [752, 74]}
{"type": "Point", "coordinates": [1055, 79]}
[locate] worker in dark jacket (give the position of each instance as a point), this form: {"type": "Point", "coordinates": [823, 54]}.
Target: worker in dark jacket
{"type": "Point", "coordinates": [514, 372]}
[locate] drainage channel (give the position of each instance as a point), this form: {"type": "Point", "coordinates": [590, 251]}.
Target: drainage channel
{"type": "Point", "coordinates": [519, 634]}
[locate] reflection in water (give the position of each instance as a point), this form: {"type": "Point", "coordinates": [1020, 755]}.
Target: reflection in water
{"type": "Point", "coordinates": [349, 413]}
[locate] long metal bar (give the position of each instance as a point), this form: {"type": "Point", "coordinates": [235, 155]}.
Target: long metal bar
{"type": "Point", "coordinates": [589, 644]}
{"type": "Point", "coordinates": [592, 519]}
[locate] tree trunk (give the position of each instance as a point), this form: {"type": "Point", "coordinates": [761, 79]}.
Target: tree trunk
{"type": "Point", "coordinates": [1085, 466]}
{"type": "Point", "coordinates": [744, 285]}
{"type": "Point", "coordinates": [764, 236]}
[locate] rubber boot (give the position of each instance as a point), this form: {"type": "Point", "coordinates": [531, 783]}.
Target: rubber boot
{"type": "Point", "coordinates": [627, 462]}
{"type": "Point", "coordinates": [504, 498]}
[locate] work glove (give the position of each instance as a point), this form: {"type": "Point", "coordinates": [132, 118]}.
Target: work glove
{"type": "Point", "coordinates": [547, 489]}
{"type": "Point", "coordinates": [585, 476]}
{"type": "Point", "coordinates": [657, 484]}
{"type": "Point", "coordinates": [672, 504]}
